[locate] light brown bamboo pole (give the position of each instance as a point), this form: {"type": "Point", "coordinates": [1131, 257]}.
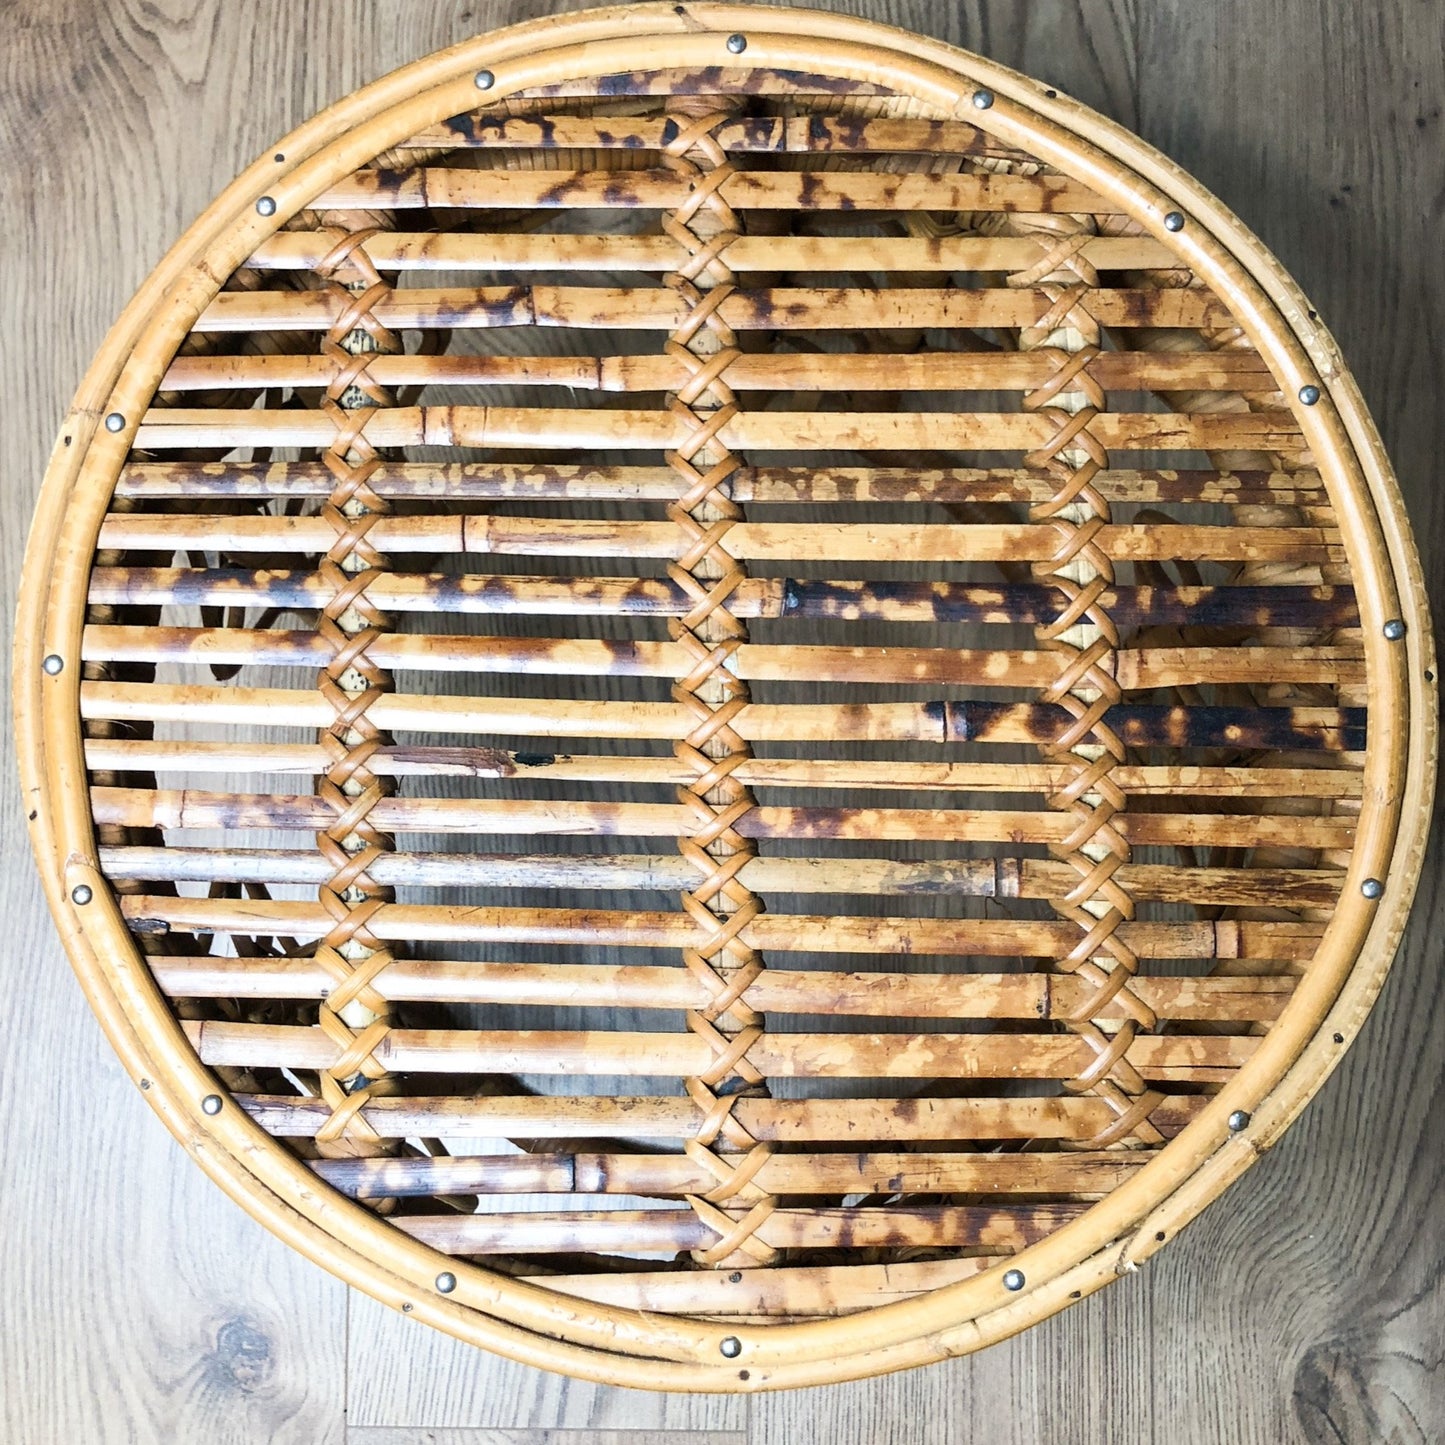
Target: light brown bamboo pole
{"type": "Point", "coordinates": [539, 428]}
{"type": "Point", "coordinates": [768, 134]}
{"type": "Point", "coordinates": [432, 186]}
{"type": "Point", "coordinates": [1178, 1058]}
{"type": "Point", "coordinates": [616, 308]}
{"type": "Point", "coordinates": [169, 756]}
{"type": "Point", "coordinates": [1300, 727]}
{"type": "Point", "coordinates": [746, 541]}
{"type": "Point", "coordinates": [791, 1121]}
{"type": "Point", "coordinates": [842, 933]}
{"type": "Point", "coordinates": [1257, 998]}
{"type": "Point", "coordinates": [998, 877]}
{"type": "Point", "coordinates": [926, 371]}
{"type": "Point", "coordinates": [1136, 669]}
{"type": "Point", "coordinates": [846, 601]}
{"type": "Point", "coordinates": [193, 808]}
{"type": "Point", "coordinates": [460, 482]}
{"type": "Point", "coordinates": [1079, 1175]}
{"type": "Point", "coordinates": [657, 1231]}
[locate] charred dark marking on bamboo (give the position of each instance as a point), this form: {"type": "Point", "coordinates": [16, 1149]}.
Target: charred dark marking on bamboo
{"type": "Point", "coordinates": [1291, 729]}
{"type": "Point", "coordinates": [493, 481]}
{"type": "Point", "coordinates": [667, 1231]}
{"type": "Point", "coordinates": [668, 1176]}
{"type": "Point", "coordinates": [1010, 603]}
{"type": "Point", "coordinates": [778, 1120]}
{"type": "Point", "coordinates": [707, 80]}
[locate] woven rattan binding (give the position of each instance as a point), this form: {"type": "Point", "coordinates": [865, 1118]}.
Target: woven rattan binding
{"type": "Point", "coordinates": [744, 706]}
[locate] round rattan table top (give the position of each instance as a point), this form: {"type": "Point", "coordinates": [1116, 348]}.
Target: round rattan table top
{"type": "Point", "coordinates": [723, 698]}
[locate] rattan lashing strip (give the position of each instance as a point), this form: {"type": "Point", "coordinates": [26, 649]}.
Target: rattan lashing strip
{"type": "Point", "coordinates": [733, 1205]}
{"type": "Point", "coordinates": [1086, 640]}
{"type": "Point", "coordinates": [354, 1015]}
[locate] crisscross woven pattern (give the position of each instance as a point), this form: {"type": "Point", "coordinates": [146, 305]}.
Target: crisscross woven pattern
{"type": "Point", "coordinates": [724, 689]}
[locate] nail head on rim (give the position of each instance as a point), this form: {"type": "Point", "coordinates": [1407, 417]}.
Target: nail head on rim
{"type": "Point", "coordinates": [737, 43]}
{"type": "Point", "coordinates": [81, 894]}
{"type": "Point", "coordinates": [484, 80]}
{"type": "Point", "coordinates": [115, 422]}
{"type": "Point", "coordinates": [982, 99]}
{"type": "Point", "coordinates": [53, 664]}
{"type": "Point", "coordinates": [211, 1104]}
{"type": "Point", "coordinates": [1174, 221]}
{"type": "Point", "coordinates": [1309, 394]}
{"type": "Point", "coordinates": [1372, 888]}
{"type": "Point", "coordinates": [266, 206]}
{"type": "Point", "coordinates": [446, 1282]}
{"type": "Point", "coordinates": [1013, 1280]}
{"type": "Point", "coordinates": [1239, 1120]}
{"type": "Point", "coordinates": [1394, 630]}
{"type": "Point", "coordinates": [731, 1347]}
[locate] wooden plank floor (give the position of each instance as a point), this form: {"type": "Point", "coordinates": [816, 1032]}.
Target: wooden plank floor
{"type": "Point", "coordinates": [138, 1305]}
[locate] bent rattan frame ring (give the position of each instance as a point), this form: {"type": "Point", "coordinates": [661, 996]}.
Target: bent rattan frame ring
{"type": "Point", "coordinates": [117, 411]}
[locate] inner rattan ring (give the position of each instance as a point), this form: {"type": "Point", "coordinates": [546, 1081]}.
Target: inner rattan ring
{"type": "Point", "coordinates": [723, 716]}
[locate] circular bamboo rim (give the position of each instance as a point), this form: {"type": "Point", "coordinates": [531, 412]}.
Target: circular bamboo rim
{"type": "Point", "coordinates": [527, 1322]}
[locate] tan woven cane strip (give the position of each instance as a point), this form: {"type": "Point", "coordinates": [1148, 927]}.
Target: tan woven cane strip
{"type": "Point", "coordinates": [1086, 641]}
{"type": "Point", "coordinates": [720, 904]}
{"type": "Point", "coordinates": [354, 1015]}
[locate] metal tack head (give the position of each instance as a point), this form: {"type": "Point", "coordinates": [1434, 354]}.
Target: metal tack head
{"type": "Point", "coordinates": [54, 664]}
{"type": "Point", "coordinates": [484, 79]}
{"type": "Point", "coordinates": [982, 99]}
{"type": "Point", "coordinates": [1013, 1279]}
{"type": "Point", "coordinates": [1394, 630]}
{"type": "Point", "coordinates": [446, 1282]}
{"type": "Point", "coordinates": [1238, 1121]}
{"type": "Point", "coordinates": [1372, 888]}
{"type": "Point", "coordinates": [211, 1105]}
{"type": "Point", "coordinates": [1174, 221]}
{"type": "Point", "coordinates": [266, 206]}
{"type": "Point", "coordinates": [115, 422]}
{"type": "Point", "coordinates": [81, 894]}
{"type": "Point", "coordinates": [1309, 394]}
{"type": "Point", "coordinates": [737, 44]}
{"type": "Point", "coordinates": [731, 1347]}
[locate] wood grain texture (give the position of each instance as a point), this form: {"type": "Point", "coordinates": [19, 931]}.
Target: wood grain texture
{"type": "Point", "coordinates": [1306, 1306]}
{"type": "Point", "coordinates": [405, 1435]}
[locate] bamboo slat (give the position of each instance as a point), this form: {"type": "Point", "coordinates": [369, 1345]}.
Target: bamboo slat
{"type": "Point", "coordinates": [964, 877]}
{"type": "Point", "coordinates": [176, 808]}
{"type": "Point", "coordinates": [774, 541]}
{"type": "Point", "coordinates": [428, 186]}
{"type": "Point", "coordinates": [650, 308]}
{"type": "Point", "coordinates": [1254, 998]}
{"type": "Point", "coordinates": [451, 923]}
{"type": "Point", "coordinates": [463, 482]}
{"type": "Point", "coordinates": [794, 1121]}
{"type": "Point", "coordinates": [576, 657]}
{"type": "Point", "coordinates": [165, 756]}
{"type": "Point", "coordinates": [1176, 1058]}
{"type": "Point", "coordinates": [664, 1231]}
{"type": "Point", "coordinates": [670, 1175]}
{"type": "Point", "coordinates": [929, 371]}
{"type": "Point", "coordinates": [401, 250]}
{"type": "Point", "coordinates": [806, 133]}
{"type": "Point", "coordinates": [1313, 606]}
{"type": "Point", "coordinates": [1308, 728]}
